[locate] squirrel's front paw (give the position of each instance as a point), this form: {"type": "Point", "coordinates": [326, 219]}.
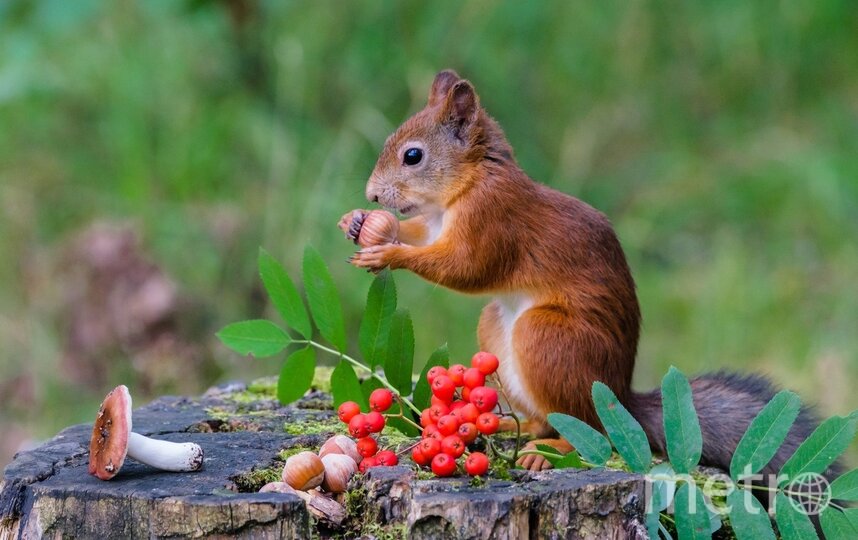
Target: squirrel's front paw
{"type": "Point", "coordinates": [351, 224]}
{"type": "Point", "coordinates": [374, 258]}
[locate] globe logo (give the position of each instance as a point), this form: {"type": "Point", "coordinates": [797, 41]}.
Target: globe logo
{"type": "Point", "coordinates": [809, 493]}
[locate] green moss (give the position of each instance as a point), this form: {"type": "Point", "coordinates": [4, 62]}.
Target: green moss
{"type": "Point", "coordinates": [324, 426]}
{"type": "Point", "coordinates": [354, 501]}
{"type": "Point", "coordinates": [252, 481]}
{"type": "Point", "coordinates": [392, 438]}
{"type": "Point", "coordinates": [286, 453]}
{"type": "Point", "coordinates": [265, 386]}
{"type": "Point", "coordinates": [398, 531]}
{"type": "Point", "coordinates": [499, 468]}
{"type": "Point", "coordinates": [423, 474]}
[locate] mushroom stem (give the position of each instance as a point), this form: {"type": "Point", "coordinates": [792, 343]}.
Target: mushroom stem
{"type": "Point", "coordinates": [165, 455]}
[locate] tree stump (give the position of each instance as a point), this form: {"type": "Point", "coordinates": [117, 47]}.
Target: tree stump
{"type": "Point", "coordinates": [246, 435]}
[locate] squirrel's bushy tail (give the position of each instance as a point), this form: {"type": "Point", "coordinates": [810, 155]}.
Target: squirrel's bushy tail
{"type": "Point", "coordinates": [726, 403]}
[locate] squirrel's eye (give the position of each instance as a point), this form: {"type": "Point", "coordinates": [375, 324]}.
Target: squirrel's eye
{"type": "Point", "coordinates": [412, 156]}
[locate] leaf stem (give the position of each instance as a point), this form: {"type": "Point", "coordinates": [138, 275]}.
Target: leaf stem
{"type": "Point", "coordinates": [380, 378]}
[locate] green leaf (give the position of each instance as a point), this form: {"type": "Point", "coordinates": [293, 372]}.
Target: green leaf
{"type": "Point", "coordinates": [284, 295]}
{"type": "Point", "coordinates": [422, 392]}
{"type": "Point", "coordinates": [296, 375]}
{"type": "Point", "coordinates": [692, 521]}
{"type": "Point", "coordinates": [748, 517]}
{"type": "Point", "coordinates": [818, 451]}
{"type": "Point", "coordinates": [846, 487]}
{"type": "Point", "coordinates": [323, 299]}
{"type": "Point", "coordinates": [836, 525]}
{"type": "Point", "coordinates": [346, 387]}
{"type": "Point", "coordinates": [375, 325]}
{"type": "Point", "coordinates": [592, 445]}
{"type": "Point", "coordinates": [765, 434]}
{"type": "Point", "coordinates": [552, 454]}
{"type": "Point", "coordinates": [652, 525]}
{"type": "Point", "coordinates": [400, 352]}
{"type": "Point", "coordinates": [625, 432]}
{"type": "Point", "coordinates": [258, 337]}
{"type": "Point", "coordinates": [663, 489]}
{"type": "Point", "coordinates": [792, 524]}
{"type": "Point", "coordinates": [681, 426]}
{"type": "Point", "coordinates": [570, 461]}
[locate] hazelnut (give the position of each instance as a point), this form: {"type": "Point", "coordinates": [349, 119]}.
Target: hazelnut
{"type": "Point", "coordinates": [379, 227]}
{"type": "Point", "coordinates": [339, 468]}
{"type": "Point", "coordinates": [340, 444]}
{"type": "Point", "coordinates": [304, 471]}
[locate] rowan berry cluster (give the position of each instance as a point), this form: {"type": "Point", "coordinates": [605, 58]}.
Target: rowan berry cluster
{"type": "Point", "coordinates": [363, 425]}
{"type": "Point", "coordinates": [460, 410]}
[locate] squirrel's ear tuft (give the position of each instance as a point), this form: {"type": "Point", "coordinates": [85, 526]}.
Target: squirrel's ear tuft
{"type": "Point", "coordinates": [461, 108]}
{"type": "Point", "coordinates": [441, 85]}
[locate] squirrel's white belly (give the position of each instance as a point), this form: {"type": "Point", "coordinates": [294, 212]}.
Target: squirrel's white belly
{"type": "Point", "coordinates": [511, 308]}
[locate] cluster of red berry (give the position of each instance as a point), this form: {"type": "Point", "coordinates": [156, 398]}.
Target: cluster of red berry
{"type": "Point", "coordinates": [362, 426]}
{"type": "Point", "coordinates": [461, 408]}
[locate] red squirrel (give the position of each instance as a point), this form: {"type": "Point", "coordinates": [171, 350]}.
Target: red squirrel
{"type": "Point", "coordinates": [564, 311]}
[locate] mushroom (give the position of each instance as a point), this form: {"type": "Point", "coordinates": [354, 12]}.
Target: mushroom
{"type": "Point", "coordinates": [112, 439]}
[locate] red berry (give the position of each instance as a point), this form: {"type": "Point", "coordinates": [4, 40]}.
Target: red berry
{"type": "Point", "coordinates": [386, 458]}
{"type": "Point", "coordinates": [458, 404]}
{"type": "Point", "coordinates": [443, 465]}
{"type": "Point", "coordinates": [473, 378]}
{"type": "Point", "coordinates": [380, 400]}
{"type": "Point", "coordinates": [433, 433]}
{"type": "Point", "coordinates": [434, 400]}
{"type": "Point", "coordinates": [448, 424]}
{"type": "Point", "coordinates": [443, 388]}
{"type": "Point", "coordinates": [375, 421]}
{"type": "Point", "coordinates": [358, 426]}
{"type": "Point", "coordinates": [367, 447]}
{"type": "Point", "coordinates": [468, 432]}
{"type": "Point", "coordinates": [468, 413]}
{"type": "Point", "coordinates": [455, 373]}
{"type": "Point", "coordinates": [453, 445]}
{"type": "Point", "coordinates": [486, 362]}
{"type": "Point", "coordinates": [484, 398]}
{"type": "Point", "coordinates": [366, 463]}
{"type": "Point", "coordinates": [476, 464]}
{"type": "Point", "coordinates": [430, 447]}
{"type": "Point", "coordinates": [488, 423]}
{"type": "Point", "coordinates": [347, 410]}
{"type": "Point", "coordinates": [437, 411]}
{"type": "Point", "coordinates": [425, 419]}
{"type": "Point", "coordinates": [418, 457]}
{"type": "Point", "coordinates": [434, 372]}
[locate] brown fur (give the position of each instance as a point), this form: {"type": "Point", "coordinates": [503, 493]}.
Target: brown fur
{"type": "Point", "coordinates": [502, 233]}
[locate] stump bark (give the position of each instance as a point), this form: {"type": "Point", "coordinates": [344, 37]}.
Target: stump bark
{"type": "Point", "coordinates": [246, 434]}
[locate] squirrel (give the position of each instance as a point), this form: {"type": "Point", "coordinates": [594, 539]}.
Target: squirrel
{"type": "Point", "coordinates": [565, 311]}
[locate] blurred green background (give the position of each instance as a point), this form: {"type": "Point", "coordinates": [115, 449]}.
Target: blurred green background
{"type": "Point", "coordinates": [168, 140]}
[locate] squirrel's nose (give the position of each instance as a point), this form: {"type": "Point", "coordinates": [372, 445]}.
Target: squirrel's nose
{"type": "Point", "coordinates": [372, 190]}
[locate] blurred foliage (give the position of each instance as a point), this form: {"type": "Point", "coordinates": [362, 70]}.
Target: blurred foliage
{"type": "Point", "coordinates": [720, 137]}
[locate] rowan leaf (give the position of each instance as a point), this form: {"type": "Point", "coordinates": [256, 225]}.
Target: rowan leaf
{"type": "Point", "coordinates": [323, 299]}
{"type": "Point", "coordinates": [258, 337]}
{"type": "Point", "coordinates": [681, 426]}
{"type": "Point", "coordinates": [296, 375]}
{"type": "Point", "coordinates": [284, 295]}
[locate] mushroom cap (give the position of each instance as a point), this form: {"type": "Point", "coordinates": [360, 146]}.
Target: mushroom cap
{"type": "Point", "coordinates": [109, 443]}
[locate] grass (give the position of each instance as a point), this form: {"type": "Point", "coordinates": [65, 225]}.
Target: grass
{"type": "Point", "coordinates": [721, 139]}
